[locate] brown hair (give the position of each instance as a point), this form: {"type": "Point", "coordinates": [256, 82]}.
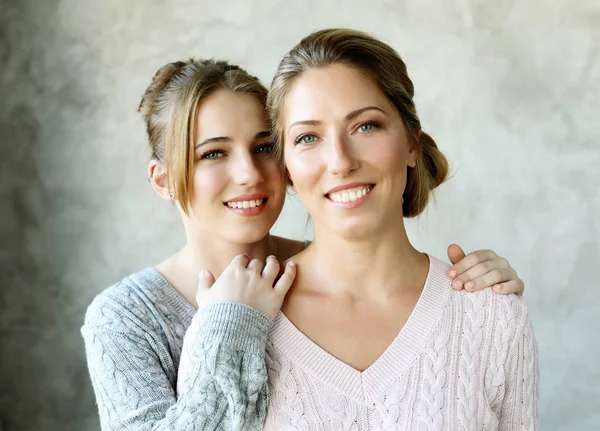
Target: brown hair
{"type": "Point", "coordinates": [380, 62]}
{"type": "Point", "coordinates": [170, 106]}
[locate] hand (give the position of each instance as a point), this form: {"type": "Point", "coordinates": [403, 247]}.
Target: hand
{"type": "Point", "coordinates": [481, 269]}
{"type": "Point", "coordinates": [248, 282]}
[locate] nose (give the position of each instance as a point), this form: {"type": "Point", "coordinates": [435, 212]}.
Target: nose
{"type": "Point", "coordinates": [247, 171]}
{"type": "Point", "coordinates": [341, 160]}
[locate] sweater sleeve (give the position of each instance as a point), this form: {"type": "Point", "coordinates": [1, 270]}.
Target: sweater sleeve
{"type": "Point", "coordinates": [133, 391]}
{"type": "Point", "coordinates": [520, 406]}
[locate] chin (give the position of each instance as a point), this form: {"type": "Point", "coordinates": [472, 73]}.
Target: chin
{"type": "Point", "coordinates": [249, 233]}
{"type": "Point", "coordinates": [356, 229]}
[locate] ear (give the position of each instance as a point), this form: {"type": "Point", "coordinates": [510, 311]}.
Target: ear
{"type": "Point", "coordinates": [413, 149]}
{"type": "Point", "coordinates": [157, 176]}
{"type": "Point", "coordinates": [288, 180]}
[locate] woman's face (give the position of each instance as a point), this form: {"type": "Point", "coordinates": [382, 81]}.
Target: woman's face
{"type": "Point", "coordinates": [346, 150]}
{"type": "Point", "coordinates": [238, 188]}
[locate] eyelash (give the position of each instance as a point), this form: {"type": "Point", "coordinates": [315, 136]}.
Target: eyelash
{"type": "Point", "coordinates": [208, 155]}
{"type": "Point", "coordinates": [220, 153]}
{"type": "Point", "coordinates": [375, 124]}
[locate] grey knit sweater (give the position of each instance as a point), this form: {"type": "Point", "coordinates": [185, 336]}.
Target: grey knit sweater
{"type": "Point", "coordinates": [134, 333]}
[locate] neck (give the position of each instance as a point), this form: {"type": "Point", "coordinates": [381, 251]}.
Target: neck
{"type": "Point", "coordinates": [375, 265]}
{"type": "Point", "coordinates": [210, 252]}
{"type": "Point", "coordinates": [215, 253]}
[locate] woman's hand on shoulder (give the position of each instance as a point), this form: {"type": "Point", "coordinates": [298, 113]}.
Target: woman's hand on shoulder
{"type": "Point", "coordinates": [481, 269]}
{"type": "Point", "coordinates": [250, 282]}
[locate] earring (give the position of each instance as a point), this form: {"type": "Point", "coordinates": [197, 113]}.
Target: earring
{"type": "Point", "coordinates": [172, 196]}
{"type": "Point", "coordinates": [149, 178]}
{"type": "Point", "coordinates": [402, 200]}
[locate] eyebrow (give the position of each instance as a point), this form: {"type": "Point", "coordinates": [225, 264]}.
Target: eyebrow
{"type": "Point", "coordinates": [348, 117]}
{"type": "Point", "coordinates": [223, 139]}
{"type": "Point", "coordinates": [356, 113]}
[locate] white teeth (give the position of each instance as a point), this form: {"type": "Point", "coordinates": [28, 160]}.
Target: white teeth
{"type": "Point", "coordinates": [245, 204]}
{"type": "Point", "coordinates": [349, 195]}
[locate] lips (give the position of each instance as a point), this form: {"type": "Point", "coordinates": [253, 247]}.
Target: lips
{"type": "Point", "coordinates": [247, 204]}
{"type": "Point", "coordinates": [350, 195]}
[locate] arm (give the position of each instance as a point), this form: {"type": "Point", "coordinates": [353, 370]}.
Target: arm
{"type": "Point", "coordinates": [520, 406]}
{"type": "Point", "coordinates": [133, 391]}
{"type": "Point", "coordinates": [224, 386]}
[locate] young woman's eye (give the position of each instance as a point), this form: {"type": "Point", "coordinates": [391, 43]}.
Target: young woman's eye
{"type": "Point", "coordinates": [305, 139]}
{"type": "Point", "coordinates": [264, 149]}
{"type": "Point", "coordinates": [211, 155]}
{"type": "Point", "coordinates": [367, 127]}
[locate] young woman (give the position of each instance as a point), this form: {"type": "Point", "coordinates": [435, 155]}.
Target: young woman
{"type": "Point", "coordinates": [212, 156]}
{"type": "Point", "coordinates": [371, 336]}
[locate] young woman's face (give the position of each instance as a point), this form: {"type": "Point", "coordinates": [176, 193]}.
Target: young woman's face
{"type": "Point", "coordinates": [238, 188]}
{"type": "Point", "coordinates": [346, 150]}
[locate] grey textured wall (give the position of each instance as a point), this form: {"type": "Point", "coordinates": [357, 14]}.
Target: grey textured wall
{"type": "Point", "coordinates": [509, 89]}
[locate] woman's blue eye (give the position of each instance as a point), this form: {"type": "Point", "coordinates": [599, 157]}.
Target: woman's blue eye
{"type": "Point", "coordinates": [264, 149]}
{"type": "Point", "coordinates": [306, 139]}
{"type": "Point", "coordinates": [367, 127]}
{"type": "Point", "coordinates": [215, 154]}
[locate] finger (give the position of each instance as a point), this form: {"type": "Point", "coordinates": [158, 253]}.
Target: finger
{"type": "Point", "coordinates": [470, 260]}
{"type": "Point", "coordinates": [240, 260]}
{"type": "Point", "coordinates": [455, 254]}
{"type": "Point", "coordinates": [513, 286]}
{"type": "Point", "coordinates": [205, 279]}
{"type": "Point", "coordinates": [286, 280]}
{"type": "Point", "coordinates": [489, 279]}
{"type": "Point", "coordinates": [271, 269]}
{"type": "Point", "coordinates": [479, 270]}
{"type": "Point", "coordinates": [256, 265]}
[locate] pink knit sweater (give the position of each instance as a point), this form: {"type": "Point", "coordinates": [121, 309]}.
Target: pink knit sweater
{"type": "Point", "coordinates": [463, 361]}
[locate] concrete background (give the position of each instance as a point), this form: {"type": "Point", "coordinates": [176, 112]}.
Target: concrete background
{"type": "Point", "coordinates": [509, 89]}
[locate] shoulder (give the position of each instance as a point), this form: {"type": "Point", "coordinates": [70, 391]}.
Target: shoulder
{"type": "Point", "coordinates": [287, 248]}
{"type": "Point", "coordinates": [128, 302]}
{"type": "Point", "coordinates": [485, 308]}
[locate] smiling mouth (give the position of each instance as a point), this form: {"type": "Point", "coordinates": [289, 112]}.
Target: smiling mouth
{"type": "Point", "coordinates": [350, 195]}
{"type": "Point", "coordinates": [254, 203]}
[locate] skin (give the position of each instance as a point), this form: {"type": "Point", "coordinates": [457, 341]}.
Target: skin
{"type": "Point", "coordinates": [239, 163]}
{"type": "Point", "coordinates": [361, 278]}
{"type": "Point", "coordinates": [233, 158]}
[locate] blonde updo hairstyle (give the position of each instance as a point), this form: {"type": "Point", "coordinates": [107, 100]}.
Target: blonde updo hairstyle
{"type": "Point", "coordinates": [170, 107]}
{"type": "Point", "coordinates": [380, 62]}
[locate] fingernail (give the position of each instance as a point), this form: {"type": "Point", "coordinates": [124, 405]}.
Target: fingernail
{"type": "Point", "coordinates": [291, 264]}
{"type": "Point", "coordinates": [459, 283]}
{"type": "Point", "coordinates": [452, 273]}
{"type": "Point", "coordinates": [202, 273]}
{"type": "Point", "coordinates": [469, 285]}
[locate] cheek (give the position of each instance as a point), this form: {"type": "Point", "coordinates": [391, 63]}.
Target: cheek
{"type": "Point", "coordinates": [271, 170]}
{"type": "Point", "coordinates": [301, 166]}
{"type": "Point", "coordinates": [209, 182]}
{"type": "Point", "coordinates": [391, 153]}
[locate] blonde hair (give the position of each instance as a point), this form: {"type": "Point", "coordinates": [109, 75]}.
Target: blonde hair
{"type": "Point", "coordinates": [380, 62]}
{"type": "Point", "coordinates": [170, 107]}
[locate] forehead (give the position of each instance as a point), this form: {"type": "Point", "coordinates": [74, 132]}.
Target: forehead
{"type": "Point", "coordinates": [333, 90]}
{"type": "Point", "coordinates": [231, 114]}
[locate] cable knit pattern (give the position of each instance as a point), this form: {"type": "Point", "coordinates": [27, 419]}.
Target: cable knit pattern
{"type": "Point", "coordinates": [134, 333]}
{"type": "Point", "coordinates": [463, 361]}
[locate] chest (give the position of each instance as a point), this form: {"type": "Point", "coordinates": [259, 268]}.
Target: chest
{"type": "Point", "coordinates": [439, 387]}
{"type": "Point", "coordinates": [356, 333]}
